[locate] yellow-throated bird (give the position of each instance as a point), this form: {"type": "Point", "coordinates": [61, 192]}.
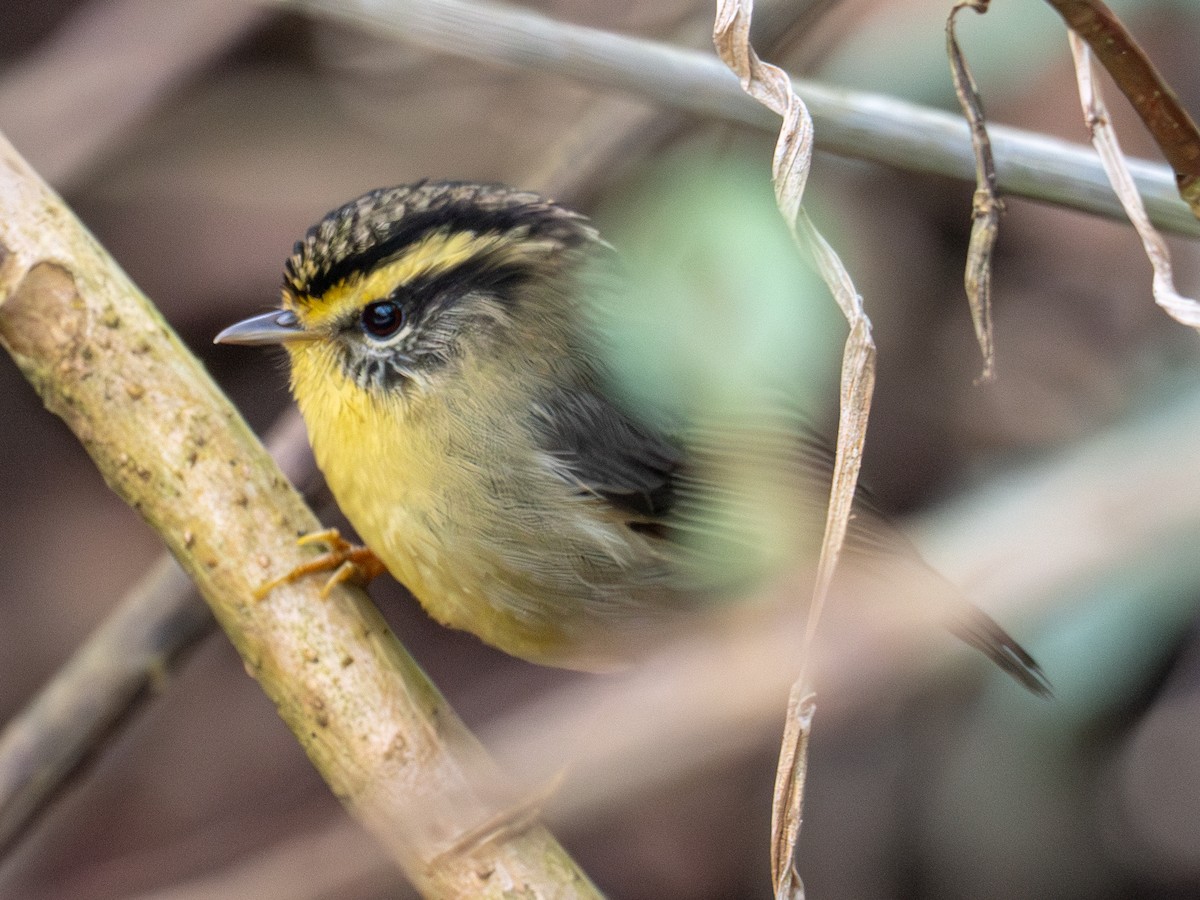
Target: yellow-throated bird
{"type": "Point", "coordinates": [457, 401]}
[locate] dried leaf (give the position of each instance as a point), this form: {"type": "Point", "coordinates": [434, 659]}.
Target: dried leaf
{"type": "Point", "coordinates": [1104, 139]}
{"type": "Point", "coordinates": [788, 806]}
{"type": "Point", "coordinates": [986, 206]}
{"type": "Point", "coordinates": [791, 162]}
{"type": "Point", "coordinates": [771, 86]}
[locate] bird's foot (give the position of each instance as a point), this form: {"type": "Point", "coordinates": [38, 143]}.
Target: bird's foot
{"type": "Point", "coordinates": [347, 562]}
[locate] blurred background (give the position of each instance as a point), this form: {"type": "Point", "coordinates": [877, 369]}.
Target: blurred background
{"type": "Point", "coordinates": [199, 140]}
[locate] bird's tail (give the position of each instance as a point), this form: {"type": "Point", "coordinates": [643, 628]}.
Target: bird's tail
{"type": "Point", "coordinates": [984, 633]}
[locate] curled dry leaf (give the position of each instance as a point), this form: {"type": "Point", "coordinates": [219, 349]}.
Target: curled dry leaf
{"type": "Point", "coordinates": [986, 207]}
{"type": "Point", "coordinates": [788, 808]}
{"type": "Point", "coordinates": [1104, 139]}
{"type": "Point", "coordinates": [791, 162]}
{"type": "Point", "coordinates": [771, 86]}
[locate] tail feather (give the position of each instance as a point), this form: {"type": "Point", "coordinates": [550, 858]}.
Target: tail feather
{"type": "Point", "coordinates": [879, 546]}
{"type": "Point", "coordinates": [982, 632]}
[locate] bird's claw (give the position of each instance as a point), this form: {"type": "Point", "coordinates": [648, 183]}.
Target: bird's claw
{"type": "Point", "coordinates": [348, 562]}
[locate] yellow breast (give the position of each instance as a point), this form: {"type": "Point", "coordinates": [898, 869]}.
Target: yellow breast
{"type": "Point", "coordinates": [432, 498]}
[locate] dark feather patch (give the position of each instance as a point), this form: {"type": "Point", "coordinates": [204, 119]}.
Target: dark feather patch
{"type": "Point", "coordinates": [608, 453]}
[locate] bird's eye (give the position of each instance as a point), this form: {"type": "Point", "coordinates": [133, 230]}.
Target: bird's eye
{"type": "Point", "coordinates": [382, 319]}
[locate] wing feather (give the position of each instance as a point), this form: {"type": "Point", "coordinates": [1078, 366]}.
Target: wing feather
{"type": "Point", "coordinates": [606, 452]}
{"type": "Point", "coordinates": [647, 476]}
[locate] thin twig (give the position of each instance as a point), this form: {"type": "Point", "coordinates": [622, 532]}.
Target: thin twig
{"type": "Point", "coordinates": [986, 206]}
{"type": "Point", "coordinates": [171, 445]}
{"type": "Point", "coordinates": [1156, 103]}
{"type": "Point", "coordinates": [850, 123]}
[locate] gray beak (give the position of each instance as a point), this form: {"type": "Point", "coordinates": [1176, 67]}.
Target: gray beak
{"type": "Point", "coordinates": [275, 327]}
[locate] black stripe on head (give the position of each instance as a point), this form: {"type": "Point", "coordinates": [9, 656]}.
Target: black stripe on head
{"type": "Point", "coordinates": [377, 226]}
{"type": "Point", "coordinates": [479, 274]}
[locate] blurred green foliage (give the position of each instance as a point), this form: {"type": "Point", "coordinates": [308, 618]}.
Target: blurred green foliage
{"type": "Point", "coordinates": [723, 333]}
{"type": "Point", "coordinates": [720, 313]}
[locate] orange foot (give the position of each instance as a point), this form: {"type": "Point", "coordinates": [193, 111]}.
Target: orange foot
{"type": "Point", "coordinates": [347, 562]}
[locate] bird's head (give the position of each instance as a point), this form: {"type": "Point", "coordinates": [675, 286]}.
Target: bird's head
{"type": "Point", "coordinates": [393, 289]}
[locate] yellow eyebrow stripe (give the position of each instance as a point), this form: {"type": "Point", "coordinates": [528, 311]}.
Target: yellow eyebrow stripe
{"type": "Point", "coordinates": [432, 255]}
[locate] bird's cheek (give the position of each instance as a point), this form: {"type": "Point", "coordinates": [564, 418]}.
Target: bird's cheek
{"type": "Point", "coordinates": [309, 366]}
{"type": "Point", "coordinates": [319, 383]}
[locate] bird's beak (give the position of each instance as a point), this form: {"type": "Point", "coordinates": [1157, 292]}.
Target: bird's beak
{"type": "Point", "coordinates": [275, 327]}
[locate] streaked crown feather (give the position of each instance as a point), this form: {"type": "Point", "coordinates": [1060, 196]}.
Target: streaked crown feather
{"type": "Point", "coordinates": [382, 225]}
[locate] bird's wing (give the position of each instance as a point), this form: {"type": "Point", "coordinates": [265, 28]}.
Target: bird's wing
{"type": "Point", "coordinates": [653, 475]}
{"type": "Point", "coordinates": [647, 478]}
{"type": "Point", "coordinates": [607, 453]}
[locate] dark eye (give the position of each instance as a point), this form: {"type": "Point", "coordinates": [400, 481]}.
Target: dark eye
{"type": "Point", "coordinates": [382, 319]}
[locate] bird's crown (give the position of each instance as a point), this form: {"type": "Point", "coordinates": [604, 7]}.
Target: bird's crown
{"type": "Point", "coordinates": [426, 232]}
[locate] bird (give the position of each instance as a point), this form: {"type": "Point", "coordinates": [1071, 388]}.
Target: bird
{"type": "Point", "coordinates": [453, 380]}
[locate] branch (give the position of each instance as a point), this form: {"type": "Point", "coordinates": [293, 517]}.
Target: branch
{"type": "Point", "coordinates": [849, 123]}
{"type": "Point", "coordinates": [171, 446]}
{"type": "Point", "coordinates": [128, 658]}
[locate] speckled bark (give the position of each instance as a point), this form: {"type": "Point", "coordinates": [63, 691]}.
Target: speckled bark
{"type": "Point", "coordinates": [170, 444]}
